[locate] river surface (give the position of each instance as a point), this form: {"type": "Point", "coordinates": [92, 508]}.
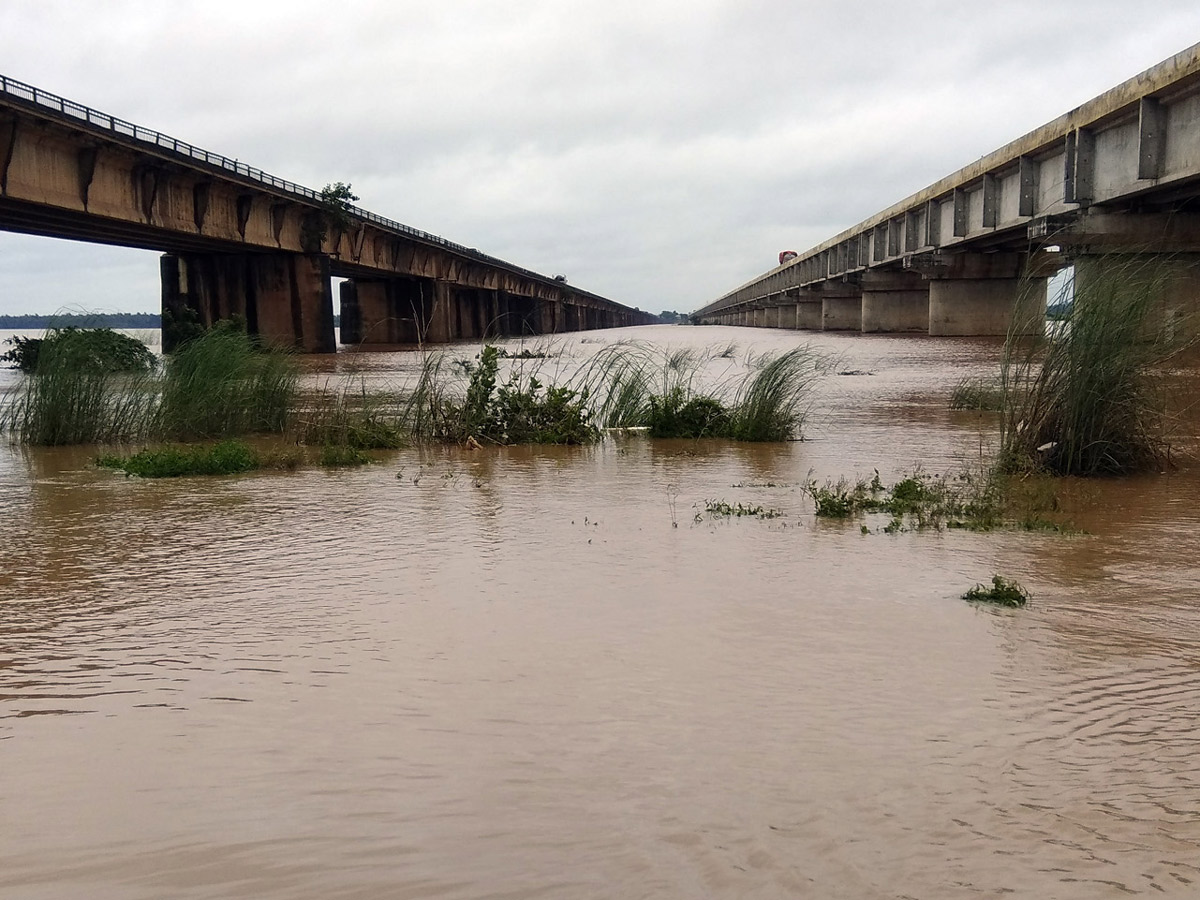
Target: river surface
{"type": "Point", "coordinates": [547, 672]}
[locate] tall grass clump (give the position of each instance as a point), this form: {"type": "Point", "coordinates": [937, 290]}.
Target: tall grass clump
{"type": "Point", "coordinates": [72, 396]}
{"type": "Point", "coordinates": [669, 393]}
{"type": "Point", "coordinates": [352, 418]}
{"type": "Point", "coordinates": [771, 404]}
{"type": "Point", "coordinates": [222, 384]}
{"type": "Point", "coordinates": [1087, 402]}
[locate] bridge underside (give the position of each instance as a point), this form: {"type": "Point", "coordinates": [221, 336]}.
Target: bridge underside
{"type": "Point", "coordinates": [238, 242]}
{"type": "Point", "coordinates": [970, 254]}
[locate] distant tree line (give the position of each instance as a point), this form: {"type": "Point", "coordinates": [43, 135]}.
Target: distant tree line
{"type": "Point", "coordinates": [82, 320]}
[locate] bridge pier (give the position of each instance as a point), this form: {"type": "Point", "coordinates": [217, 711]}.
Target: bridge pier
{"type": "Point", "coordinates": [894, 302]}
{"type": "Point", "coordinates": [809, 314]}
{"type": "Point", "coordinates": [787, 316]}
{"type": "Point", "coordinates": [1172, 280]}
{"type": "Point", "coordinates": [841, 306]}
{"type": "Point", "coordinates": [986, 294]}
{"type": "Point", "coordinates": [284, 298]}
{"type": "Point", "coordinates": [386, 310]}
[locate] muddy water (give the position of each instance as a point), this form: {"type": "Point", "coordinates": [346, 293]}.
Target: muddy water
{"type": "Point", "coordinates": [547, 673]}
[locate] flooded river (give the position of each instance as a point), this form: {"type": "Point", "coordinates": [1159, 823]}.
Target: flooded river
{"type": "Point", "coordinates": [547, 672]}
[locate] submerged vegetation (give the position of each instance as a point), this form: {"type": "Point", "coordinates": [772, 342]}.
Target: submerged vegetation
{"type": "Point", "coordinates": [977, 394]}
{"type": "Point", "coordinates": [982, 501]}
{"type": "Point", "coordinates": [1001, 592]}
{"type": "Point", "coordinates": [225, 458]}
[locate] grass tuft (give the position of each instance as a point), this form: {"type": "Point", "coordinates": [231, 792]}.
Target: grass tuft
{"type": "Point", "coordinates": [1002, 592]}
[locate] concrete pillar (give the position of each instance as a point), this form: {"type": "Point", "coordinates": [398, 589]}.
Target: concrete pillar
{"type": "Point", "coordinates": [351, 328]}
{"type": "Point", "coordinates": [895, 302]}
{"type": "Point", "coordinates": [787, 316]}
{"type": "Point", "coordinates": [1170, 282]}
{"type": "Point", "coordinates": [841, 313]}
{"type": "Point", "coordinates": [759, 317]}
{"type": "Point", "coordinates": [548, 315]}
{"type": "Point", "coordinates": [284, 298]}
{"type": "Point", "coordinates": [808, 315]}
{"type": "Point", "coordinates": [389, 311]}
{"type": "Point", "coordinates": [986, 306]}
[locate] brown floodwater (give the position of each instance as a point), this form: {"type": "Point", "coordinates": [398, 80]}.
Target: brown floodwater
{"type": "Point", "coordinates": [547, 672]}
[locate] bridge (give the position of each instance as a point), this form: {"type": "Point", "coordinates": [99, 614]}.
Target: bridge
{"type": "Point", "coordinates": [971, 254]}
{"type": "Point", "coordinates": [240, 242]}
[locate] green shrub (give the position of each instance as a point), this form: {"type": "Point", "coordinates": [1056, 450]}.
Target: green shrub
{"type": "Point", "coordinates": [1001, 593]}
{"type": "Point", "coordinates": [674, 416]}
{"type": "Point", "coordinates": [225, 458]}
{"type": "Point", "coordinates": [95, 349]}
{"type": "Point", "coordinates": [342, 456]}
{"type": "Point", "coordinates": [519, 411]}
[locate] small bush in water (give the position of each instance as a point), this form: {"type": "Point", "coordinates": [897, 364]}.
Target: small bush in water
{"type": "Point", "coordinates": [225, 458]}
{"type": "Point", "coordinates": [1001, 593]}
{"type": "Point", "coordinates": [677, 416]}
{"type": "Point", "coordinates": [94, 349]}
{"type": "Point", "coordinates": [520, 411]}
{"type": "Point", "coordinates": [335, 456]}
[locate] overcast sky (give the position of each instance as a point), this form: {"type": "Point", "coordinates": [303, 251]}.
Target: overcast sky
{"type": "Point", "coordinates": [657, 153]}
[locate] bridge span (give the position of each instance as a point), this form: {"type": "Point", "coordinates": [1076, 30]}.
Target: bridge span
{"type": "Point", "coordinates": [971, 254]}
{"type": "Point", "coordinates": [238, 241]}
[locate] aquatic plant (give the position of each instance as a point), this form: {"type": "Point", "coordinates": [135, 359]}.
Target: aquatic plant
{"type": "Point", "coordinates": [724, 509]}
{"type": "Point", "coordinates": [1087, 402]}
{"type": "Point", "coordinates": [1002, 592]}
{"type": "Point", "coordinates": [351, 417]}
{"type": "Point", "coordinates": [520, 410]}
{"type": "Point", "coordinates": [770, 406]}
{"type": "Point", "coordinates": [99, 349]}
{"type": "Point", "coordinates": [975, 501]}
{"type": "Point", "coordinates": [72, 398]}
{"type": "Point", "coordinates": [977, 393]}
{"type": "Point", "coordinates": [635, 385]}
{"type": "Point", "coordinates": [221, 384]}
{"type": "Point", "coordinates": [342, 456]}
{"type": "Point", "coordinates": [225, 458]}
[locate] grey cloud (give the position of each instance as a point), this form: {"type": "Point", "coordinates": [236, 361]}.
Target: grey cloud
{"type": "Point", "coordinates": [658, 152]}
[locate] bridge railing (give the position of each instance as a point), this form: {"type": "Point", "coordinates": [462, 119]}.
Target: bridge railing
{"type": "Point", "coordinates": [104, 122]}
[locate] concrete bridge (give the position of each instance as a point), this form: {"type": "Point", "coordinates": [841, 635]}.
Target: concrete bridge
{"type": "Point", "coordinates": [971, 254]}
{"type": "Point", "coordinates": [239, 241]}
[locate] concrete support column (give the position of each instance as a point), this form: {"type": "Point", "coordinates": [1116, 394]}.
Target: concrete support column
{"type": "Point", "coordinates": [389, 311]}
{"type": "Point", "coordinates": [351, 328]}
{"type": "Point", "coordinates": [809, 315]}
{"type": "Point", "coordinates": [284, 298]}
{"type": "Point", "coordinates": [1172, 280]}
{"type": "Point", "coordinates": [787, 316]}
{"type": "Point", "coordinates": [548, 315]}
{"type": "Point", "coordinates": [895, 302]}
{"type": "Point", "coordinates": [986, 306]}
